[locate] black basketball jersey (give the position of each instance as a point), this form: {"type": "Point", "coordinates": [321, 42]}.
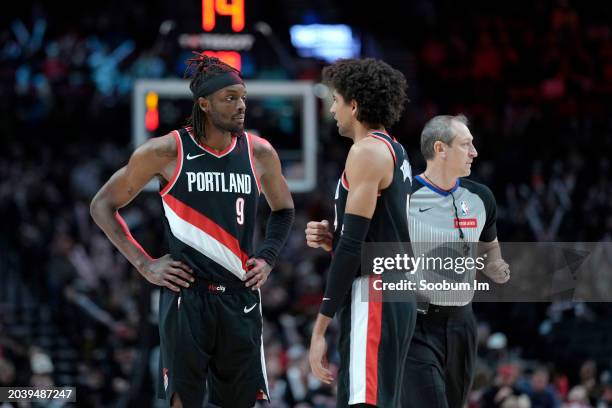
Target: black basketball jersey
{"type": "Point", "coordinates": [390, 220]}
{"type": "Point", "coordinates": [210, 205]}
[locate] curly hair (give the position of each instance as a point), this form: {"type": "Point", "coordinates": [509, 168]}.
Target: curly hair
{"type": "Point", "coordinates": [201, 68]}
{"type": "Point", "coordinates": [379, 89]}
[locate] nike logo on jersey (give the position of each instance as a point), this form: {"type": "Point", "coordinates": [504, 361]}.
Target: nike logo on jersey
{"type": "Point", "coordinates": [326, 298]}
{"type": "Point", "coordinates": [248, 309]}
{"type": "Point", "coordinates": [425, 209]}
{"type": "Point", "coordinates": [190, 157]}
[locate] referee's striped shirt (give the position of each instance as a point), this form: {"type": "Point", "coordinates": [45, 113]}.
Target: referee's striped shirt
{"type": "Point", "coordinates": [435, 233]}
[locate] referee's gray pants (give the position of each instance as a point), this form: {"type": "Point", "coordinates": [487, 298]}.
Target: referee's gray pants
{"type": "Point", "coordinates": [441, 358]}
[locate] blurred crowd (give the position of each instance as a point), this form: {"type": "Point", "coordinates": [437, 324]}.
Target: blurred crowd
{"type": "Point", "coordinates": [536, 86]}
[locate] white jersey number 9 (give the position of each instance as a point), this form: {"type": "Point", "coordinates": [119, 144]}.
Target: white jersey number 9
{"type": "Point", "coordinates": [240, 210]}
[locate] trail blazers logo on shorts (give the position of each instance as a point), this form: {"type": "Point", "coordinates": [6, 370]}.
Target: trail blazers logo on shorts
{"type": "Point", "coordinates": [165, 370]}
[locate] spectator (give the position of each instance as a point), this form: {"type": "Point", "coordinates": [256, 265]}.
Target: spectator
{"type": "Point", "coordinates": [540, 393]}
{"type": "Point", "coordinates": [504, 387]}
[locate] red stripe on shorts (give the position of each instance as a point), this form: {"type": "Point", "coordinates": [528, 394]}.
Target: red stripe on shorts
{"type": "Point", "coordinates": [373, 342]}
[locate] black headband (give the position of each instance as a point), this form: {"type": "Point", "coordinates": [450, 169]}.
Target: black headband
{"type": "Point", "coordinates": [217, 82]}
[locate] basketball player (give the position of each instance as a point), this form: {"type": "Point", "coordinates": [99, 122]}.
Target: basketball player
{"type": "Point", "coordinates": [211, 174]}
{"type": "Point", "coordinates": [370, 203]}
{"type": "Point", "coordinates": [447, 213]}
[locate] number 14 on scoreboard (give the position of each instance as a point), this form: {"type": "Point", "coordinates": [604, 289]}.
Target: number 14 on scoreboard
{"type": "Point", "coordinates": [233, 8]}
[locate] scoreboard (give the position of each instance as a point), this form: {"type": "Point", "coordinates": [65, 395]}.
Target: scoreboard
{"type": "Point", "coordinates": [233, 9]}
{"type": "Point", "coordinates": [220, 28]}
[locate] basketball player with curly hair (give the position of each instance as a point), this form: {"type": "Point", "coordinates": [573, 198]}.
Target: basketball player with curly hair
{"type": "Point", "coordinates": [211, 174]}
{"type": "Point", "coordinates": [371, 206]}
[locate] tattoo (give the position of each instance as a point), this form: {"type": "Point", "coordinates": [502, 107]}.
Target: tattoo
{"type": "Point", "coordinates": [167, 149]}
{"type": "Point", "coordinates": [120, 234]}
{"type": "Point", "coordinates": [262, 148]}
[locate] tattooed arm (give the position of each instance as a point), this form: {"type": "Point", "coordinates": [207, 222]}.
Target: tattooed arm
{"type": "Point", "coordinates": [155, 158]}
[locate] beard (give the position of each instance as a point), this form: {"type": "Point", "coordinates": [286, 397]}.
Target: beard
{"type": "Point", "coordinates": [227, 125]}
{"type": "Point", "coordinates": [232, 128]}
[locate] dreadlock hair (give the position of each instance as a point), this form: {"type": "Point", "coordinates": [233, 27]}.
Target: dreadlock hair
{"type": "Point", "coordinates": [200, 69]}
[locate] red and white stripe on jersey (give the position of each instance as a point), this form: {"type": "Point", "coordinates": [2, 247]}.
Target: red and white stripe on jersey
{"type": "Point", "coordinates": [388, 145]}
{"type": "Point", "coordinates": [366, 326]}
{"type": "Point", "coordinates": [179, 163]}
{"type": "Point", "coordinates": [253, 169]}
{"type": "Point", "coordinates": [203, 234]}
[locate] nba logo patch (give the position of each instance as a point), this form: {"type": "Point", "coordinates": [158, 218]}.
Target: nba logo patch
{"type": "Point", "coordinates": [178, 303]}
{"type": "Point", "coordinates": [465, 209]}
{"type": "Point", "coordinates": [165, 370]}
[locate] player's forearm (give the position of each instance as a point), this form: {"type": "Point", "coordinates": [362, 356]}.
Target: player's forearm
{"type": "Point", "coordinates": [345, 263]}
{"type": "Point", "coordinates": [277, 232]}
{"type": "Point", "coordinates": [321, 324]}
{"type": "Point", "coordinates": [111, 223]}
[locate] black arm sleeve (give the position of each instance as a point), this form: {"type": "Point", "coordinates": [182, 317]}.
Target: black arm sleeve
{"type": "Point", "coordinates": [345, 264]}
{"type": "Point", "coordinates": [277, 231]}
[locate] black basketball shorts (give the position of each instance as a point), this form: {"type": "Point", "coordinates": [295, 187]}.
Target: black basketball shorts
{"type": "Point", "coordinates": [375, 333]}
{"type": "Point", "coordinates": [212, 334]}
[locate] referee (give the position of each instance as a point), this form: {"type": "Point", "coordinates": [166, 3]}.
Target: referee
{"type": "Point", "coordinates": [448, 217]}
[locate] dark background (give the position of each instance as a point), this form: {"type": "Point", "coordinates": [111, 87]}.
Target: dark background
{"type": "Point", "coordinates": [534, 78]}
